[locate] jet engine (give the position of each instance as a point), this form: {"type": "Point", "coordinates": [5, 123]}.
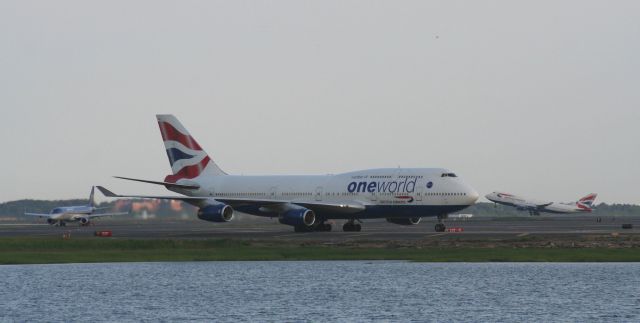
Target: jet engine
{"type": "Point", "coordinates": [51, 221]}
{"type": "Point", "coordinates": [298, 217]}
{"type": "Point", "coordinates": [218, 212]}
{"type": "Point", "coordinates": [84, 221]}
{"type": "Point", "coordinates": [404, 221]}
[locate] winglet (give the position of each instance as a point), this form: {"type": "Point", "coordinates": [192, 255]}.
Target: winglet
{"type": "Point", "coordinates": [107, 192]}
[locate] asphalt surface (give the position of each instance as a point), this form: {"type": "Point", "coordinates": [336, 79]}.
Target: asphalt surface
{"type": "Point", "coordinates": [474, 229]}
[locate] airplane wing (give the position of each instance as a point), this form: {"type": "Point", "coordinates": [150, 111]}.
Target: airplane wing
{"type": "Point", "coordinates": [40, 215]}
{"type": "Point", "coordinates": [107, 214]}
{"type": "Point", "coordinates": [196, 201]}
{"type": "Point", "coordinates": [166, 184]}
{"type": "Point", "coordinates": [350, 207]}
{"type": "Point", "coordinates": [532, 206]}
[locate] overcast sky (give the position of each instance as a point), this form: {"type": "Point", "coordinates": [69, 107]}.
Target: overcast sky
{"type": "Point", "coordinates": [537, 98]}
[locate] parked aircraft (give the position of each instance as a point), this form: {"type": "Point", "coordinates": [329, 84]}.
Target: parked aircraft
{"type": "Point", "coordinates": [535, 207]}
{"type": "Point", "coordinates": [401, 195]}
{"type": "Point", "coordinates": [60, 216]}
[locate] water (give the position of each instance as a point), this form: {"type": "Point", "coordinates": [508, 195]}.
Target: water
{"type": "Point", "coordinates": [321, 291]}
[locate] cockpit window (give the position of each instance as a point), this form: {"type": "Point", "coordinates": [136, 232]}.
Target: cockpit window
{"type": "Point", "coordinates": [56, 210]}
{"type": "Point", "coordinates": [449, 175]}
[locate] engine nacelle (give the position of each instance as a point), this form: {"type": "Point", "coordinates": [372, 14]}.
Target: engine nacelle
{"type": "Point", "coordinates": [298, 217]}
{"type": "Point", "coordinates": [404, 221]}
{"type": "Point", "coordinates": [219, 212]}
{"type": "Point", "coordinates": [84, 221]}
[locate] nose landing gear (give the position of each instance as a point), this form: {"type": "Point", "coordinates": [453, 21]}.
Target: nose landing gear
{"type": "Point", "coordinates": [440, 227]}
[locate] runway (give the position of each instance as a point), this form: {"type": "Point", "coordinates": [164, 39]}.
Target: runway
{"type": "Point", "coordinates": [374, 230]}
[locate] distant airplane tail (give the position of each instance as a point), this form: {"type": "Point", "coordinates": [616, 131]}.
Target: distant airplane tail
{"type": "Point", "coordinates": [187, 159]}
{"type": "Point", "coordinates": [587, 203]}
{"type": "Point", "coordinates": [92, 199]}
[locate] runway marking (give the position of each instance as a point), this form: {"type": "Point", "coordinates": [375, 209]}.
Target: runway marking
{"type": "Point", "coordinates": [288, 235]}
{"type": "Point", "coordinates": [523, 234]}
{"type": "Point", "coordinates": [436, 234]}
{"type": "Point", "coordinates": [360, 235]}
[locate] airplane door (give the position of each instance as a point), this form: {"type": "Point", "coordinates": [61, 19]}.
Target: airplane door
{"type": "Point", "coordinates": [319, 193]}
{"type": "Point", "coordinates": [272, 192]}
{"type": "Point", "coordinates": [419, 193]}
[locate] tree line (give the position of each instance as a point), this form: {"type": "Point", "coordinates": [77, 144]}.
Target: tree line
{"type": "Point", "coordinates": [163, 208]}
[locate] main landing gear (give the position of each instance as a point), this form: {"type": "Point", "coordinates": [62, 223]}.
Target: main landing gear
{"type": "Point", "coordinates": [326, 227]}
{"type": "Point", "coordinates": [440, 227]}
{"type": "Point", "coordinates": [319, 227]}
{"type": "Point", "coordinates": [351, 226]}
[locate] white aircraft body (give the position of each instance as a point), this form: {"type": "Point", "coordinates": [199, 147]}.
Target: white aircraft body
{"type": "Point", "coordinates": [60, 216]}
{"type": "Point", "coordinates": [401, 195]}
{"type": "Point", "coordinates": [535, 207]}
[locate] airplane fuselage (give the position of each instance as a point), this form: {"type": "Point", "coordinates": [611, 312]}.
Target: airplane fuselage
{"type": "Point", "coordinates": [70, 213]}
{"type": "Point", "coordinates": [385, 193]}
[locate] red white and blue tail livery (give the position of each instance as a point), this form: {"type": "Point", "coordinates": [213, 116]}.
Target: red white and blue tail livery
{"type": "Point", "coordinates": [187, 159]}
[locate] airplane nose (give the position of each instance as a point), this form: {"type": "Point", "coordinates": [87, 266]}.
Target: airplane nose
{"type": "Point", "coordinates": [473, 196]}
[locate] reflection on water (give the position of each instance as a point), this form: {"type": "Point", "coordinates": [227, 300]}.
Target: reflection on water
{"type": "Point", "coordinates": [320, 291]}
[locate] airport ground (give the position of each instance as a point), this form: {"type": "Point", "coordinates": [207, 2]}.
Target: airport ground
{"type": "Point", "coordinates": [478, 230]}
{"type": "Point", "coordinates": [502, 239]}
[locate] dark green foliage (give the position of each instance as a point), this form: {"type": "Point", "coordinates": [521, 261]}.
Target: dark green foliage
{"type": "Point", "coordinates": [48, 250]}
{"type": "Point", "coordinates": [17, 208]}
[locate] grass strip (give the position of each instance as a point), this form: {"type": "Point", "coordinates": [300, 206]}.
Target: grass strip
{"type": "Point", "coordinates": [48, 250]}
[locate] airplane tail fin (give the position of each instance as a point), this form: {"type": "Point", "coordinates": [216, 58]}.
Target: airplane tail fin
{"type": "Point", "coordinates": [587, 203]}
{"type": "Point", "coordinates": [187, 159]}
{"type": "Point", "coordinates": [92, 199]}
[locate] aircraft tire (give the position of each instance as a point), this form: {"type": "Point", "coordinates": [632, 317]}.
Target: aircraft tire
{"type": "Point", "coordinates": [301, 228]}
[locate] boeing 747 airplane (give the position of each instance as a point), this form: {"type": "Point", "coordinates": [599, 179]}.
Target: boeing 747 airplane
{"type": "Point", "coordinates": [401, 195]}
{"type": "Point", "coordinates": [535, 207]}
{"type": "Point", "coordinates": [60, 216]}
